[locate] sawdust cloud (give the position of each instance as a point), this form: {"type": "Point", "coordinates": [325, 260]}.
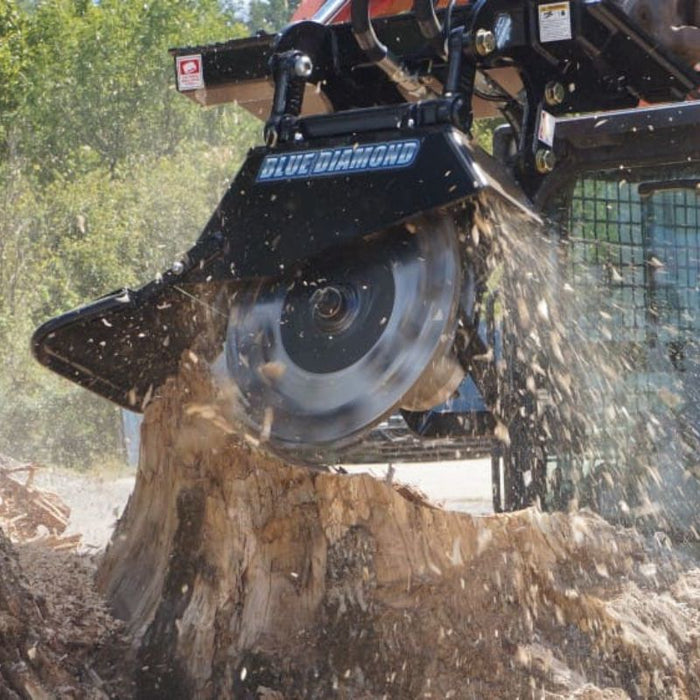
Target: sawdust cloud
{"type": "Point", "coordinates": [617, 413]}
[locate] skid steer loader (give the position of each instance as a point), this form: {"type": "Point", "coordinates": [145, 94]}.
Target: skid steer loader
{"type": "Point", "coordinates": [346, 311]}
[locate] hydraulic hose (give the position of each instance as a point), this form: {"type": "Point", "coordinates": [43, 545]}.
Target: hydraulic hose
{"type": "Point", "coordinates": [379, 54]}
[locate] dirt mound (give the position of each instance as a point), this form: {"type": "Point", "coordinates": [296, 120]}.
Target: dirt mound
{"type": "Point", "coordinates": [243, 577]}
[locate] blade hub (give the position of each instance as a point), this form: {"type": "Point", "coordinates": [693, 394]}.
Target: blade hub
{"type": "Point", "coordinates": [334, 307]}
{"type": "Point", "coordinates": [318, 357]}
{"type": "Point", "coordinates": [333, 315]}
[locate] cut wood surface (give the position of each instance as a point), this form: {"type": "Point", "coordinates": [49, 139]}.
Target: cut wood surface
{"type": "Point", "coordinates": [243, 577]}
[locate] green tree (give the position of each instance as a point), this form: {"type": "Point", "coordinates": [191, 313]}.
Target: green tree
{"type": "Point", "coordinates": [13, 58]}
{"type": "Point", "coordinates": [270, 15]}
{"type": "Point", "coordinates": [106, 176]}
{"type": "Point", "coordinates": [100, 81]}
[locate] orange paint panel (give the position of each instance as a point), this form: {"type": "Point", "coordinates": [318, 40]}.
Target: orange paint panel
{"type": "Point", "coordinates": [380, 8]}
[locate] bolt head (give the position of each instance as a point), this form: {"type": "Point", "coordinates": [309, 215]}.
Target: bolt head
{"type": "Point", "coordinates": [554, 94]}
{"type": "Point", "coordinates": [545, 161]}
{"type": "Point", "coordinates": [303, 66]}
{"type": "Point", "coordinates": [484, 42]}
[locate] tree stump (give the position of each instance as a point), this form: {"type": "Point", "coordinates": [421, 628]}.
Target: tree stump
{"type": "Point", "coordinates": [241, 576]}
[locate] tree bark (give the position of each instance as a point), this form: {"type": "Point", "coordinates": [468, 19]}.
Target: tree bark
{"type": "Point", "coordinates": [244, 577]}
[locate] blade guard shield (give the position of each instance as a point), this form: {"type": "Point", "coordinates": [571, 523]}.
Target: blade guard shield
{"type": "Point", "coordinates": [284, 206]}
{"type": "Point", "coordinates": [290, 204]}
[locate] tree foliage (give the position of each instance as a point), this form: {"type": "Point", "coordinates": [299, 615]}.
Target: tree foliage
{"type": "Point", "coordinates": [99, 82]}
{"type": "Point", "coordinates": [13, 58]}
{"type": "Point", "coordinates": [106, 176]}
{"type": "Point", "coordinates": [270, 15]}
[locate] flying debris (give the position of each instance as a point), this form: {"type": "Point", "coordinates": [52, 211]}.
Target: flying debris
{"type": "Point", "coordinates": [373, 283]}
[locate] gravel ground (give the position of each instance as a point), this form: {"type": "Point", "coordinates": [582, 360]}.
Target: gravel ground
{"type": "Point", "coordinates": [461, 485]}
{"type": "Point", "coordinates": [96, 502]}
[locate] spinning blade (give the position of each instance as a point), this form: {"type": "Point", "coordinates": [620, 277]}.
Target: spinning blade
{"type": "Point", "coordinates": [319, 357]}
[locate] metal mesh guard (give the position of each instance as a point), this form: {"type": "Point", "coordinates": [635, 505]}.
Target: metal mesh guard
{"type": "Point", "coordinates": [638, 244]}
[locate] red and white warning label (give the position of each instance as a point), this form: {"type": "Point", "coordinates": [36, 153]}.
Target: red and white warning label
{"type": "Point", "coordinates": [190, 75]}
{"type": "Point", "coordinates": [545, 130]}
{"type": "Point", "coordinates": [555, 21]}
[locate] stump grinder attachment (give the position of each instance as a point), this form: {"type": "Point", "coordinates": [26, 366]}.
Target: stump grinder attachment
{"type": "Point", "coordinates": [336, 281]}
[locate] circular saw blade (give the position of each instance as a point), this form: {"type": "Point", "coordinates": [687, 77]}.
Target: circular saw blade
{"type": "Point", "coordinates": [319, 358]}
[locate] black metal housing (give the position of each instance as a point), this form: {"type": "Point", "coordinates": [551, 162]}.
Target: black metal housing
{"type": "Point", "coordinates": [128, 343]}
{"type": "Point", "coordinates": [609, 63]}
{"type": "Point", "coordinates": [267, 226]}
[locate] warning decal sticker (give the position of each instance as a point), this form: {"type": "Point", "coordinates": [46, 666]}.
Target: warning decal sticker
{"type": "Point", "coordinates": [545, 132]}
{"type": "Point", "coordinates": [190, 75]}
{"type": "Point", "coordinates": [555, 21]}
